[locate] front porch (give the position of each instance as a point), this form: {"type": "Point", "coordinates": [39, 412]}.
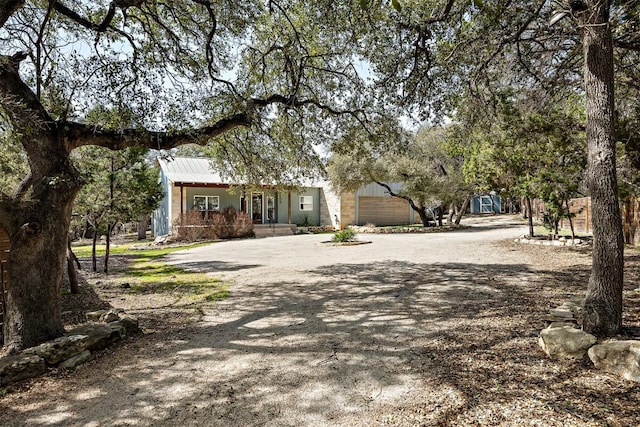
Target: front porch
{"type": "Point", "coordinates": [273, 230]}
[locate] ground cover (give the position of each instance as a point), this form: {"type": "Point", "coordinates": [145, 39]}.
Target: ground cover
{"type": "Point", "coordinates": [410, 330]}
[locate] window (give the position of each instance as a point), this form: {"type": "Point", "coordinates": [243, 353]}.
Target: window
{"type": "Point", "coordinates": [306, 203]}
{"type": "Point", "coordinates": [206, 203]}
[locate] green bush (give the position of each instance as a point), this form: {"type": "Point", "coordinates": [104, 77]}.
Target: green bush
{"type": "Point", "coordinates": [346, 235]}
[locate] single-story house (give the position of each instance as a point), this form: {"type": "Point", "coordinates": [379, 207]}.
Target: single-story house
{"type": "Point", "coordinates": [192, 184]}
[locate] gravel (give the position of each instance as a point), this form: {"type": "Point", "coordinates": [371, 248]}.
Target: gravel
{"type": "Point", "coordinates": [410, 330]}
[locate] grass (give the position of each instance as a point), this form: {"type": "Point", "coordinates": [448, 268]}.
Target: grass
{"type": "Point", "coordinates": [147, 274]}
{"type": "Point", "coordinates": [131, 248]}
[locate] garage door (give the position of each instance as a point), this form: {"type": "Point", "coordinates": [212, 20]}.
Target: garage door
{"type": "Point", "coordinates": [383, 211]}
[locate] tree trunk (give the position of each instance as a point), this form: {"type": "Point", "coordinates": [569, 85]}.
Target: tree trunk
{"type": "Point", "coordinates": [573, 232]}
{"type": "Point", "coordinates": [452, 212]}
{"type": "Point", "coordinates": [463, 209]}
{"type": "Point", "coordinates": [35, 271]}
{"type": "Point", "coordinates": [94, 258]}
{"type": "Point", "coordinates": [73, 276]}
{"type": "Point", "coordinates": [107, 249]}
{"type": "Point", "coordinates": [422, 211]}
{"type": "Point", "coordinates": [602, 315]}
{"type": "Point", "coordinates": [73, 256]}
{"type": "Point", "coordinates": [71, 269]}
{"type": "Point", "coordinates": [529, 209]}
{"type": "Point", "coordinates": [142, 227]}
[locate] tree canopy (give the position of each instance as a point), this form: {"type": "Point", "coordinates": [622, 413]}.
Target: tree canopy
{"type": "Point", "coordinates": [257, 78]}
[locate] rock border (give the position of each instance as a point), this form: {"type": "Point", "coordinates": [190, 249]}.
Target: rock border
{"type": "Point", "coordinates": [76, 347]}
{"type": "Point", "coordinates": [563, 339]}
{"type": "Point", "coordinates": [562, 241]}
{"type": "Point", "coordinates": [405, 229]}
{"type": "Point", "coordinates": [351, 243]}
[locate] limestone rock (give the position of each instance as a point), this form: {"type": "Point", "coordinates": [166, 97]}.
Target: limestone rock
{"type": "Point", "coordinates": [100, 335]}
{"type": "Point", "coordinates": [109, 317]}
{"type": "Point", "coordinates": [79, 359]}
{"type": "Point", "coordinates": [54, 352]}
{"type": "Point", "coordinates": [561, 312]}
{"type": "Point", "coordinates": [129, 323]}
{"type": "Point", "coordinates": [94, 316]}
{"type": "Point", "coordinates": [565, 342]}
{"type": "Point", "coordinates": [618, 357]}
{"type": "Point", "coordinates": [20, 367]}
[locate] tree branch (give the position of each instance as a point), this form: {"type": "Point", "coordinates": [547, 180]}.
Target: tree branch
{"type": "Point", "coordinates": [627, 44]}
{"type": "Point", "coordinates": [20, 104]}
{"type": "Point", "coordinates": [79, 134]}
{"type": "Point", "coordinates": [88, 24]}
{"type": "Point", "coordinates": [7, 8]}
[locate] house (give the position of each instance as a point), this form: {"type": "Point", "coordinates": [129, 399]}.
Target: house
{"type": "Point", "coordinates": [192, 184]}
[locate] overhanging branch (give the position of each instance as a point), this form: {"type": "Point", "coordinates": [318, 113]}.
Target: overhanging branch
{"type": "Point", "coordinates": [79, 134]}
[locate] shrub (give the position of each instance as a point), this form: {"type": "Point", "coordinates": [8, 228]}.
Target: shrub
{"type": "Point", "coordinates": [346, 235]}
{"type": "Point", "coordinates": [226, 224]}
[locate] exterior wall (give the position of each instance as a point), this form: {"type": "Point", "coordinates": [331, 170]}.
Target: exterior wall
{"type": "Point", "coordinates": [375, 190]}
{"type": "Point", "coordinates": [347, 209]}
{"type": "Point", "coordinates": [160, 218]}
{"type": "Point", "coordinates": [477, 206]}
{"type": "Point", "coordinates": [383, 210]}
{"type": "Point", "coordinates": [393, 210]}
{"type": "Point", "coordinates": [175, 204]}
{"type": "Point", "coordinates": [226, 198]}
{"type": "Point", "coordinates": [330, 213]}
{"type": "Point", "coordinates": [297, 215]}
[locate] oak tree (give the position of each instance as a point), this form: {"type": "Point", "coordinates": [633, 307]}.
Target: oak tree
{"type": "Point", "coordinates": [191, 70]}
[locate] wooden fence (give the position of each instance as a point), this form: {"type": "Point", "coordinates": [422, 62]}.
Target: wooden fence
{"type": "Point", "coordinates": [4, 252]}
{"type": "Point", "coordinates": [581, 208]}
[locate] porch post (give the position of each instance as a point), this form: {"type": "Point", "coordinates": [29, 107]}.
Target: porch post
{"type": "Point", "coordinates": [289, 207]}
{"type": "Point", "coordinates": [181, 205]}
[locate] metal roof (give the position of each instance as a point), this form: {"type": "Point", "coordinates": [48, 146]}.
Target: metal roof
{"type": "Point", "coordinates": [189, 170]}
{"type": "Point", "coordinates": [198, 170]}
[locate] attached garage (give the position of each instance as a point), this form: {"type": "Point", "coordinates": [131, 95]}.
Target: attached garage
{"type": "Point", "coordinates": [383, 210]}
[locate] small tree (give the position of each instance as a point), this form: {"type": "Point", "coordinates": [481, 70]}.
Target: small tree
{"type": "Point", "coordinates": [121, 187]}
{"type": "Point", "coordinates": [431, 177]}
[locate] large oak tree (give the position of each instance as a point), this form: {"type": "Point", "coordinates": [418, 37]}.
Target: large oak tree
{"type": "Point", "coordinates": [193, 71]}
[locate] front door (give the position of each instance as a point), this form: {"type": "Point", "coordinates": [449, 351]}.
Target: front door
{"type": "Point", "coordinates": [256, 208]}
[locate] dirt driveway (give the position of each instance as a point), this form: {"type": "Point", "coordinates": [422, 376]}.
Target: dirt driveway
{"type": "Point", "coordinates": [409, 330]}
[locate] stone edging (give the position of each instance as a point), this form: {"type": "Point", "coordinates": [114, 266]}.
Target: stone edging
{"type": "Point", "coordinates": [76, 347]}
{"type": "Point", "coordinates": [562, 339]}
{"type": "Point", "coordinates": [394, 230]}
{"type": "Point", "coordinates": [562, 241]}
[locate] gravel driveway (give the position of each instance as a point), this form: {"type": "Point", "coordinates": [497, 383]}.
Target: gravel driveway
{"type": "Point", "coordinates": [409, 330]}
